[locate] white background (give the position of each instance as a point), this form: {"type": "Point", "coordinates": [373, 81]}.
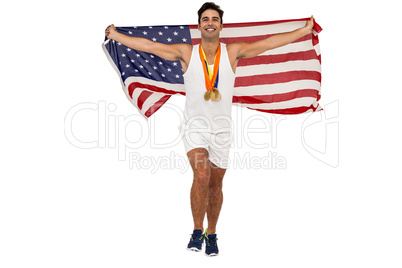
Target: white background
{"type": "Point", "coordinates": [63, 206]}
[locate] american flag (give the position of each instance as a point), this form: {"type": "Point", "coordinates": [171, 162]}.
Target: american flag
{"type": "Point", "coordinates": [285, 80]}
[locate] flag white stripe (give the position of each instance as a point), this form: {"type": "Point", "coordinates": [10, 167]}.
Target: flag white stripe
{"type": "Point", "coordinates": [133, 100]}
{"type": "Point", "coordinates": [151, 100]}
{"type": "Point", "coordinates": [262, 29]}
{"type": "Point", "coordinates": [137, 92]}
{"type": "Point", "coordinates": [317, 49]}
{"type": "Point", "coordinates": [289, 48]}
{"type": "Point", "coordinates": [254, 30]}
{"type": "Point", "coordinates": [279, 88]}
{"type": "Point", "coordinates": [299, 102]}
{"type": "Point", "coordinates": [300, 65]}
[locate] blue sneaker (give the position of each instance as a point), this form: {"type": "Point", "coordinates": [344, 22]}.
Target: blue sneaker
{"type": "Point", "coordinates": [211, 248]}
{"type": "Point", "coordinates": [196, 240]}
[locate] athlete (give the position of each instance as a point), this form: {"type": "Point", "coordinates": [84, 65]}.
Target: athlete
{"type": "Point", "coordinates": [209, 75]}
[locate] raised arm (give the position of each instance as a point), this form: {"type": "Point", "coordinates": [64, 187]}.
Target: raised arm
{"type": "Point", "coordinates": [168, 52]}
{"type": "Point", "coordinates": [248, 50]}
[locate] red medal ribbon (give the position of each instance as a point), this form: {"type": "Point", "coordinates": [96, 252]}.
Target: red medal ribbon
{"type": "Point", "coordinates": [210, 83]}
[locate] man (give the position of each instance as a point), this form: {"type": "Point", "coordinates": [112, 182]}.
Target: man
{"type": "Point", "coordinates": [209, 75]}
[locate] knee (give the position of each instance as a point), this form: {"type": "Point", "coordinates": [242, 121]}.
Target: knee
{"type": "Point", "coordinates": [215, 188]}
{"type": "Point", "coordinates": [202, 178]}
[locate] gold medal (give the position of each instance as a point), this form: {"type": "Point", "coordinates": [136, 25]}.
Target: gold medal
{"type": "Point", "coordinates": [217, 95]}
{"type": "Point", "coordinates": [213, 97]}
{"type": "Point", "coordinates": [207, 95]}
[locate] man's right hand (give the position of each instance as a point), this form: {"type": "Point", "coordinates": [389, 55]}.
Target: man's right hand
{"type": "Point", "coordinates": [180, 51]}
{"type": "Point", "coordinates": [110, 31]}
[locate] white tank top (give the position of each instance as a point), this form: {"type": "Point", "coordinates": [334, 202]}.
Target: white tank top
{"type": "Point", "coordinates": [210, 116]}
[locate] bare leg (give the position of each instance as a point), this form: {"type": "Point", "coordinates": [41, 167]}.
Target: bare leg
{"type": "Point", "coordinates": [215, 198]}
{"type": "Point", "coordinates": [199, 191]}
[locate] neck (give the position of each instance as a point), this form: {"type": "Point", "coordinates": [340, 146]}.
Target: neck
{"type": "Point", "coordinates": [210, 48]}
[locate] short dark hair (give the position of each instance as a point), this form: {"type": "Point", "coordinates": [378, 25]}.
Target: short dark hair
{"type": "Point", "coordinates": [209, 5]}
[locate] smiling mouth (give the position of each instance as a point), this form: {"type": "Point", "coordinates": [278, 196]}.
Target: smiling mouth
{"type": "Point", "coordinates": [210, 30]}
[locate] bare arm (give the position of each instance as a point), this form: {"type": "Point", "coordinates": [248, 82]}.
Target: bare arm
{"type": "Point", "coordinates": [248, 50]}
{"type": "Point", "coordinates": [168, 52]}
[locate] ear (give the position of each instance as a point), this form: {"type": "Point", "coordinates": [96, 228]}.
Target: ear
{"type": "Point", "coordinates": [199, 27]}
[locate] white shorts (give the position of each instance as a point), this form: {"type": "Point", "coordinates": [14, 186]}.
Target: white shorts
{"type": "Point", "coordinates": [217, 145]}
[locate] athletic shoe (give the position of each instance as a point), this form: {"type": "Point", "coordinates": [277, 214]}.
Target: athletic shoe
{"type": "Point", "coordinates": [196, 240]}
{"type": "Point", "coordinates": [211, 248]}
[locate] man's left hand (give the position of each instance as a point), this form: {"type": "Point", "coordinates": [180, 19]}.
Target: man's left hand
{"type": "Point", "coordinates": [309, 25]}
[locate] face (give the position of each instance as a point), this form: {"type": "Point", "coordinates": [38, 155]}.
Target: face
{"type": "Point", "coordinates": [210, 24]}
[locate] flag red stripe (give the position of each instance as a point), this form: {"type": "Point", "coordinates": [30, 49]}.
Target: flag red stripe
{"type": "Point", "coordinates": [134, 85]}
{"type": "Point", "coordinates": [277, 97]}
{"type": "Point", "coordinates": [315, 40]}
{"type": "Point", "coordinates": [131, 90]}
{"type": "Point", "coordinates": [293, 56]}
{"type": "Point", "coordinates": [154, 108]}
{"type": "Point", "coordinates": [295, 110]}
{"type": "Point", "coordinates": [142, 98]}
{"type": "Point", "coordinates": [317, 27]}
{"type": "Point", "coordinates": [277, 78]}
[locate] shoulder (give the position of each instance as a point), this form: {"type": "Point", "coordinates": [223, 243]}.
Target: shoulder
{"type": "Point", "coordinates": [184, 47]}
{"type": "Point", "coordinates": [234, 50]}
{"type": "Point", "coordinates": [185, 51]}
